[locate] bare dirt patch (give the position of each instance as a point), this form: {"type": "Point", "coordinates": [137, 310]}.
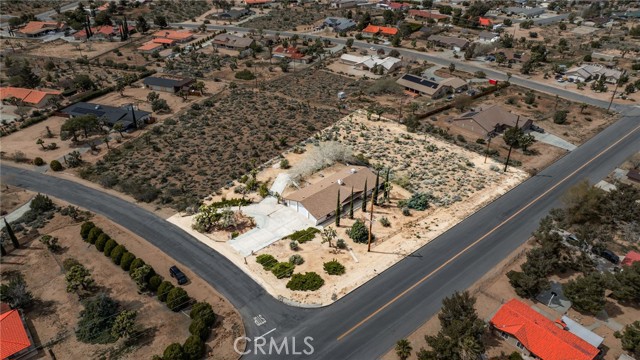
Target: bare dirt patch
{"type": "Point", "coordinates": [12, 197]}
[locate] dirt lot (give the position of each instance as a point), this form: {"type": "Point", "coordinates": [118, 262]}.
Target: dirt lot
{"type": "Point", "coordinates": [12, 198]}
{"type": "Point", "coordinates": [173, 163]}
{"type": "Point", "coordinates": [65, 50]}
{"type": "Point", "coordinates": [19, 7]}
{"type": "Point", "coordinates": [290, 18]}
{"type": "Point", "coordinates": [56, 312]}
{"type": "Point", "coordinates": [177, 11]}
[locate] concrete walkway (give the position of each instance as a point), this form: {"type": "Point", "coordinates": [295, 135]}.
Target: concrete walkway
{"type": "Point", "coordinates": [16, 214]}
{"type": "Point", "coordinates": [280, 183]}
{"type": "Point", "coordinates": [273, 222]}
{"type": "Point", "coordinates": [553, 140]}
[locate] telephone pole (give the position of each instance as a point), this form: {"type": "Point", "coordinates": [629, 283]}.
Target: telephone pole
{"type": "Point", "coordinates": [506, 164]}
{"type": "Point", "coordinates": [370, 224]}
{"type": "Point", "coordinates": [614, 94]}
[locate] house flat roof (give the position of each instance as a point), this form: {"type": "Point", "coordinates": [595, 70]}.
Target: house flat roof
{"type": "Point", "coordinates": [166, 82]}
{"type": "Point", "coordinates": [449, 40]}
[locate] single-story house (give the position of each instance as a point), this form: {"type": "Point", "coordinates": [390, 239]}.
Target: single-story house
{"type": "Point", "coordinates": [232, 42]}
{"type": "Point", "coordinates": [457, 85]}
{"type": "Point", "coordinates": [339, 24]}
{"type": "Point", "coordinates": [167, 85]}
{"type": "Point", "coordinates": [29, 97]}
{"type": "Point", "coordinates": [630, 258]}
{"type": "Point", "coordinates": [151, 47]}
{"type": "Point", "coordinates": [105, 32]}
{"type": "Point", "coordinates": [524, 12]}
{"type": "Point", "coordinates": [40, 28]}
{"type": "Point", "coordinates": [494, 119]}
{"type": "Point", "coordinates": [536, 336]}
{"type": "Point", "coordinates": [514, 56]}
{"type": "Point", "coordinates": [16, 340]}
{"type": "Point", "coordinates": [317, 202]}
{"type": "Point", "coordinates": [426, 15]}
{"type": "Point", "coordinates": [455, 43]}
{"type": "Point", "coordinates": [234, 14]}
{"type": "Point", "coordinates": [178, 36]}
{"type": "Point", "coordinates": [292, 53]}
{"type": "Point", "coordinates": [588, 72]}
{"type": "Point", "coordinates": [425, 87]}
{"type": "Point", "coordinates": [398, 5]}
{"type": "Point", "coordinates": [488, 37]}
{"type": "Point", "coordinates": [482, 21]}
{"type": "Point", "coordinates": [371, 62]}
{"type": "Point", "coordinates": [373, 30]}
{"type": "Point", "coordinates": [109, 114]}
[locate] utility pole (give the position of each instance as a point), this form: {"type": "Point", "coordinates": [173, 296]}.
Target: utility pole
{"type": "Point", "coordinates": [370, 224]}
{"type": "Point", "coordinates": [506, 164]}
{"type": "Point", "coordinates": [486, 152]}
{"type": "Point", "coordinates": [614, 94]}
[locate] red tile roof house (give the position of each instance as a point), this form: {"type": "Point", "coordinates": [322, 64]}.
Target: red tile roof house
{"type": "Point", "coordinates": [373, 30]}
{"type": "Point", "coordinates": [292, 53]}
{"type": "Point", "coordinates": [105, 32]}
{"type": "Point", "coordinates": [485, 21]}
{"type": "Point", "coordinates": [28, 97]}
{"type": "Point", "coordinates": [178, 36]}
{"type": "Point", "coordinates": [40, 28]}
{"type": "Point", "coordinates": [537, 336]}
{"type": "Point", "coordinates": [399, 6]}
{"type": "Point", "coordinates": [15, 339]}
{"type": "Point", "coordinates": [630, 258]}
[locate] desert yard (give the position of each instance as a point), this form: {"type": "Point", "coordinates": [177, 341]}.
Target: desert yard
{"type": "Point", "coordinates": [459, 183]}
{"type": "Point", "coordinates": [54, 316]}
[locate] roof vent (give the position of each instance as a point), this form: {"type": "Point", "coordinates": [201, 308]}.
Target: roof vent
{"type": "Point", "coordinates": [353, 170]}
{"type": "Point", "coordinates": [340, 182]}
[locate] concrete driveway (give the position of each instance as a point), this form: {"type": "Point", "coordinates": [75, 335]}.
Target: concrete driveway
{"type": "Point", "coordinates": [553, 140]}
{"type": "Point", "coordinates": [273, 222]}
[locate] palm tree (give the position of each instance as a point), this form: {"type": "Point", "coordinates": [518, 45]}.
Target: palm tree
{"type": "Point", "coordinates": [470, 348]}
{"type": "Point", "coordinates": [403, 349]}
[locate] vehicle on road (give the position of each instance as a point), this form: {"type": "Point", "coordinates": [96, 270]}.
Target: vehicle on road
{"type": "Point", "coordinates": [178, 275]}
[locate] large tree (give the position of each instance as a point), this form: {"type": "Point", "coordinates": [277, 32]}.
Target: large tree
{"type": "Point", "coordinates": [587, 293]}
{"type": "Point", "coordinates": [96, 320]}
{"type": "Point", "coordinates": [630, 338]}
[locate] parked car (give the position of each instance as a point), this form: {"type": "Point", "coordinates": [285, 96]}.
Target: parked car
{"type": "Point", "coordinates": [178, 275]}
{"type": "Point", "coordinates": [537, 128]}
{"type": "Point", "coordinates": [607, 255]}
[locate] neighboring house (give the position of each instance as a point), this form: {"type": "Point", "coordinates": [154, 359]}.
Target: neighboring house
{"type": "Point", "coordinates": [151, 47]}
{"type": "Point", "coordinates": [527, 13]}
{"type": "Point", "coordinates": [234, 14]}
{"type": "Point", "coordinates": [514, 56]}
{"type": "Point", "coordinates": [339, 24]}
{"type": "Point", "coordinates": [457, 85]}
{"type": "Point", "coordinates": [292, 53]}
{"type": "Point", "coordinates": [371, 62]}
{"type": "Point", "coordinates": [318, 202]}
{"type": "Point", "coordinates": [399, 6]}
{"type": "Point", "coordinates": [588, 72]}
{"type": "Point", "coordinates": [494, 119]}
{"type": "Point", "coordinates": [426, 15]}
{"type": "Point", "coordinates": [40, 28]}
{"type": "Point", "coordinates": [109, 114]}
{"type": "Point", "coordinates": [373, 30]}
{"type": "Point", "coordinates": [29, 97]}
{"type": "Point", "coordinates": [630, 258]}
{"type": "Point", "coordinates": [596, 55]}
{"type": "Point", "coordinates": [538, 337]}
{"type": "Point", "coordinates": [16, 340]}
{"type": "Point", "coordinates": [233, 42]}
{"type": "Point", "coordinates": [178, 36]}
{"type": "Point", "coordinates": [485, 21]}
{"type": "Point", "coordinates": [633, 175]}
{"type": "Point", "coordinates": [106, 32]}
{"type": "Point", "coordinates": [488, 37]}
{"type": "Point", "coordinates": [421, 86]}
{"type": "Point", "coordinates": [167, 85]}
{"type": "Point", "coordinates": [449, 42]}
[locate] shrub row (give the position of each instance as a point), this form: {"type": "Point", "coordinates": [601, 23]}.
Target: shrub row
{"type": "Point", "coordinates": [303, 236]}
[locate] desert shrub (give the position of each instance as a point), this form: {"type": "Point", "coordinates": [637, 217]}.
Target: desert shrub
{"type": "Point", "coordinates": [267, 261]}
{"type": "Point", "coordinates": [154, 282]}
{"type": "Point", "coordinates": [293, 245]}
{"type": "Point", "coordinates": [94, 234]}
{"type": "Point", "coordinates": [116, 254]}
{"type": "Point", "coordinates": [126, 260]}
{"type": "Point", "coordinates": [515, 356]}
{"type": "Point", "coordinates": [461, 138]}
{"type": "Point", "coordinates": [86, 228]}
{"type": "Point", "coordinates": [560, 117]}
{"type": "Point", "coordinates": [177, 298]}
{"type": "Point", "coordinates": [67, 264]}
{"type": "Point", "coordinates": [385, 222]}
{"type": "Point", "coordinates": [109, 246]}
{"type": "Point", "coordinates": [135, 264]}
{"type": "Point", "coordinates": [15, 293]}
{"type": "Point", "coordinates": [163, 290]}
{"type": "Point", "coordinates": [418, 201]}
{"type": "Point", "coordinates": [296, 259]}
{"type": "Point", "coordinates": [359, 232]}
{"type": "Point", "coordinates": [41, 203]}
{"type": "Point", "coordinates": [96, 320]}
{"type": "Point", "coordinates": [55, 165]}
{"type": "Point", "coordinates": [245, 75]}
{"type": "Point", "coordinates": [283, 269]}
{"type": "Point", "coordinates": [333, 267]}
{"type": "Point", "coordinates": [200, 329]}
{"type": "Point", "coordinates": [38, 161]}
{"type": "Point", "coordinates": [309, 281]}
{"type": "Point", "coordinates": [193, 348]}
{"type": "Point", "coordinates": [284, 164]}
{"type": "Point", "coordinates": [204, 312]}
{"type": "Point", "coordinates": [302, 236]}
{"type": "Point", "coordinates": [341, 244]}
{"type": "Point", "coordinates": [50, 242]}
{"type": "Point", "coordinates": [174, 352]}
{"type": "Point", "coordinates": [406, 211]}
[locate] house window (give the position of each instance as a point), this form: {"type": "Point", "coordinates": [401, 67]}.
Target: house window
{"type": "Point", "coordinates": [504, 334]}
{"type": "Point", "coordinates": [519, 345]}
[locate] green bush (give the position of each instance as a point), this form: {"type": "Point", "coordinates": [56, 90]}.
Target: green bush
{"type": "Point", "coordinates": [116, 254]}
{"type": "Point", "coordinates": [38, 161]}
{"type": "Point", "coordinates": [560, 117]}
{"type": "Point", "coordinates": [204, 312]}
{"type": "Point", "coordinates": [103, 238]}
{"type": "Point", "coordinates": [193, 348]}
{"type": "Point", "coordinates": [200, 329]}
{"type": "Point", "coordinates": [296, 259]}
{"type": "Point", "coordinates": [94, 234]}
{"type": "Point", "coordinates": [86, 228]}
{"type": "Point", "coordinates": [126, 260]}
{"type": "Point", "coordinates": [177, 299]}
{"type": "Point", "coordinates": [55, 165]}
{"type": "Point", "coordinates": [174, 352]}
{"type": "Point", "coordinates": [67, 264]}
{"type": "Point", "coordinates": [359, 232]}
{"type": "Point", "coordinates": [135, 264]}
{"type": "Point", "coordinates": [163, 290]}
{"type": "Point", "coordinates": [333, 267]}
{"type": "Point", "coordinates": [418, 201]}
{"type": "Point", "coordinates": [515, 356]}
{"type": "Point", "coordinates": [245, 75]}
{"type": "Point", "coordinates": [267, 261]}
{"type": "Point", "coordinates": [309, 281]}
{"type": "Point", "coordinates": [385, 222]}
{"type": "Point", "coordinates": [302, 236]}
{"type": "Point", "coordinates": [109, 246]}
{"type": "Point", "coordinates": [283, 269]}
{"type": "Point", "coordinates": [341, 244]}
{"type": "Point", "coordinates": [154, 282]}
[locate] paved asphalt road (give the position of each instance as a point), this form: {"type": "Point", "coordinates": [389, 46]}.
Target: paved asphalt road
{"type": "Point", "coordinates": [369, 320]}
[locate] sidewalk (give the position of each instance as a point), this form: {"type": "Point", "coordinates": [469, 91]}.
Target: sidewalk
{"type": "Point", "coordinates": [16, 214]}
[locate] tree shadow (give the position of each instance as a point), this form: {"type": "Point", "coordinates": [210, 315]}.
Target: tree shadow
{"type": "Point", "coordinates": [42, 308]}
{"type": "Point", "coordinates": [142, 337]}
{"type": "Point", "coordinates": [613, 309]}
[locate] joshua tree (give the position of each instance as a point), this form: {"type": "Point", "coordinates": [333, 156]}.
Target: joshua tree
{"type": "Point", "coordinates": [41, 143]}
{"type": "Point", "coordinates": [328, 234]}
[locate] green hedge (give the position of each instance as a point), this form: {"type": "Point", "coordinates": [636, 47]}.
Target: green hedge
{"type": "Point", "coordinates": [177, 299]}
{"type": "Point", "coordinates": [283, 269]}
{"type": "Point", "coordinates": [200, 329]}
{"type": "Point", "coordinates": [333, 267]}
{"type": "Point", "coordinates": [135, 264]}
{"type": "Point", "coordinates": [203, 311]}
{"type": "Point", "coordinates": [86, 228]}
{"type": "Point", "coordinates": [94, 234]}
{"type": "Point", "coordinates": [116, 254]}
{"type": "Point", "coordinates": [267, 261]}
{"type": "Point", "coordinates": [154, 282]}
{"type": "Point", "coordinates": [103, 238]}
{"type": "Point", "coordinates": [163, 290]}
{"type": "Point", "coordinates": [126, 260]}
{"type": "Point", "coordinates": [109, 246]}
{"type": "Point", "coordinates": [193, 348]}
{"type": "Point", "coordinates": [303, 236]}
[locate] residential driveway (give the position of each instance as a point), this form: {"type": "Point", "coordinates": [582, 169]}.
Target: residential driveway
{"type": "Point", "coordinates": [273, 222]}
{"type": "Point", "coordinates": [431, 73]}
{"type": "Point", "coordinates": [553, 140]}
{"type": "Point", "coordinates": [16, 214]}
{"type": "Point", "coordinates": [280, 183]}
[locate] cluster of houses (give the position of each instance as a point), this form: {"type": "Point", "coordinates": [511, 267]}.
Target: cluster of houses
{"type": "Point", "coordinates": [165, 39]}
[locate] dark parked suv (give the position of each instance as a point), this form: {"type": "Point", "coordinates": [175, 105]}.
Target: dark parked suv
{"type": "Point", "coordinates": [178, 274]}
{"type": "Point", "coordinates": [607, 255]}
